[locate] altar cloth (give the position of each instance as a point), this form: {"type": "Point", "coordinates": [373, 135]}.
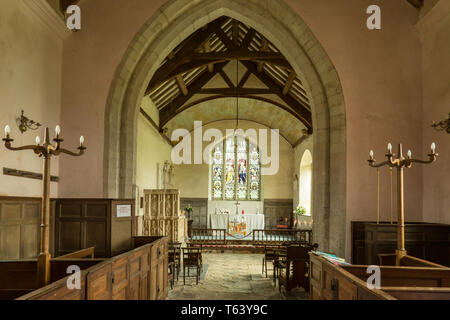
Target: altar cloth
{"type": "Point", "coordinates": [253, 221]}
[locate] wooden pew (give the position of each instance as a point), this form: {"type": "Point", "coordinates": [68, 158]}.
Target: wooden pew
{"type": "Point", "coordinates": [17, 278]}
{"type": "Point", "coordinates": [389, 260]}
{"type": "Point", "coordinates": [80, 254]}
{"type": "Point", "coordinates": [349, 282]}
{"type": "Point", "coordinates": [58, 267]}
{"type": "Point", "coordinates": [139, 274]}
{"type": "Point", "coordinates": [58, 290]}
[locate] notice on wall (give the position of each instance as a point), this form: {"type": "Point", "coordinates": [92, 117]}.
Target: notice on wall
{"type": "Point", "coordinates": [123, 210]}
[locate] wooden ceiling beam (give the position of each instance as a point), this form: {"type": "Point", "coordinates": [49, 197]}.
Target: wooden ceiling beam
{"type": "Point", "coordinates": [244, 79]}
{"type": "Point", "coordinates": [289, 82]}
{"type": "Point", "coordinates": [226, 79]}
{"type": "Point", "coordinates": [264, 46]}
{"type": "Point", "coordinates": [197, 40]}
{"type": "Point", "coordinates": [182, 85]}
{"type": "Point", "coordinates": [231, 92]}
{"type": "Point", "coordinates": [207, 49]}
{"type": "Point", "coordinates": [170, 111]}
{"type": "Point", "coordinates": [241, 54]}
{"type": "Point", "coordinates": [303, 112]}
{"type": "Point", "coordinates": [199, 60]}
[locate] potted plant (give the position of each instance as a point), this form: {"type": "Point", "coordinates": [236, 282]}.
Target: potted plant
{"type": "Point", "coordinates": [188, 210]}
{"type": "Point", "coordinates": [298, 212]}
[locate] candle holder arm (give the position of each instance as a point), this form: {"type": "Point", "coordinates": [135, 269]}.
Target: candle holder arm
{"type": "Point", "coordinates": [37, 149]}
{"type": "Point", "coordinates": [373, 164]}
{"type": "Point", "coordinates": [431, 158]}
{"type": "Point", "coordinates": [70, 153]}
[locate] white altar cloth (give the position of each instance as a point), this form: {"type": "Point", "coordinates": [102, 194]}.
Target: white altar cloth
{"type": "Point", "coordinates": [253, 221]}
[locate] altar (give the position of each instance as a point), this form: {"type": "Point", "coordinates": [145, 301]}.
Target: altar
{"type": "Point", "coordinates": [237, 225]}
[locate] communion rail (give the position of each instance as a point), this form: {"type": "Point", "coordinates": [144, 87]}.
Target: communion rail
{"type": "Point", "coordinates": [259, 237]}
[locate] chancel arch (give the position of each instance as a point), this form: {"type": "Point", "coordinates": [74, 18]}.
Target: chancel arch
{"type": "Point", "coordinates": [287, 31]}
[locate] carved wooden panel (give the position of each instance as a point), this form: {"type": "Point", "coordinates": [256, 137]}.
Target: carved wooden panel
{"type": "Point", "coordinates": [162, 215]}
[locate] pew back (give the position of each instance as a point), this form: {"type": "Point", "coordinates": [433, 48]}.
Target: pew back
{"type": "Point", "coordinates": [17, 278]}
{"type": "Point", "coordinates": [139, 274]}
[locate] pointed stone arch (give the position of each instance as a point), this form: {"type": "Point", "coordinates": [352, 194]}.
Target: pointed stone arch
{"type": "Point", "coordinates": [178, 19]}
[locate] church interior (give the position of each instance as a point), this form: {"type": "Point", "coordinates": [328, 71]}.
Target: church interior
{"type": "Point", "coordinates": [225, 150]}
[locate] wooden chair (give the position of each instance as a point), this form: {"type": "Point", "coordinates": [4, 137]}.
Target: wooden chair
{"type": "Point", "coordinates": [279, 262]}
{"type": "Point", "coordinates": [192, 258]}
{"type": "Point", "coordinates": [171, 277]}
{"type": "Point", "coordinates": [296, 267]}
{"type": "Point", "coordinates": [269, 256]}
{"type": "Point", "coordinates": [175, 256]}
{"type": "Point", "coordinates": [197, 245]}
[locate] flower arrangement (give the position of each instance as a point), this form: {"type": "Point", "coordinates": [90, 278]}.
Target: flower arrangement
{"type": "Point", "coordinates": [188, 208]}
{"type": "Point", "coordinates": [299, 211]}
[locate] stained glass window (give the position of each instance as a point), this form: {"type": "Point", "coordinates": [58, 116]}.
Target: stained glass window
{"type": "Point", "coordinates": [217, 173]}
{"type": "Point", "coordinates": [236, 170]}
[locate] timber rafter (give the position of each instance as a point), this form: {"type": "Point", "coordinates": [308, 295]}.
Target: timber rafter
{"type": "Point", "coordinates": [180, 81]}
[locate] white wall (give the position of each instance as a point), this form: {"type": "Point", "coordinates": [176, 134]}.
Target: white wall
{"type": "Point", "coordinates": [151, 150]}
{"type": "Point", "coordinates": [30, 79]}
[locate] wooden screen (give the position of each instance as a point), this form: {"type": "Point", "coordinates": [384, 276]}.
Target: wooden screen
{"type": "Point", "coordinates": [199, 211]}
{"type": "Point", "coordinates": [83, 223]}
{"type": "Point", "coordinates": [19, 228]}
{"type": "Point", "coordinates": [276, 212]}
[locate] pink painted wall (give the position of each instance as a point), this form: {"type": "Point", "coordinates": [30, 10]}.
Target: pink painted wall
{"type": "Point", "coordinates": [91, 57]}
{"type": "Point", "coordinates": [435, 30]}
{"type": "Point", "coordinates": [380, 73]}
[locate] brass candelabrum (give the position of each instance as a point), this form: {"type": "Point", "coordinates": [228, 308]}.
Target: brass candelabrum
{"type": "Point", "coordinates": [400, 163]}
{"type": "Point", "coordinates": [46, 151]}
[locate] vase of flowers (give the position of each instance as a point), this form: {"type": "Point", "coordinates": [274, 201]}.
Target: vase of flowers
{"type": "Point", "coordinates": [298, 213]}
{"type": "Point", "coordinates": [188, 211]}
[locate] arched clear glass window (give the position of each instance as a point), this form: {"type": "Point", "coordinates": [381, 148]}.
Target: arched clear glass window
{"type": "Point", "coordinates": [305, 182]}
{"type": "Point", "coordinates": [236, 170]}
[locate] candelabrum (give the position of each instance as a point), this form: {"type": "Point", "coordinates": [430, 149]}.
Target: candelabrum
{"type": "Point", "coordinates": [45, 150]}
{"type": "Point", "coordinates": [442, 125]}
{"type": "Point", "coordinates": [400, 163]}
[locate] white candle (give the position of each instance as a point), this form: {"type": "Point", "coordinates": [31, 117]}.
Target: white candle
{"type": "Point", "coordinates": [390, 147]}
{"type": "Point", "coordinates": [7, 131]}
{"type": "Point", "coordinates": [57, 130]}
{"type": "Point", "coordinates": [409, 154]}
{"type": "Point", "coordinates": [81, 140]}
{"type": "Point", "coordinates": [433, 147]}
{"type": "Point", "coordinates": [371, 154]}
{"type": "Point", "coordinates": [38, 140]}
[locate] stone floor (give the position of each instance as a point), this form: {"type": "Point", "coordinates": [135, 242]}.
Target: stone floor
{"type": "Point", "coordinates": [232, 276]}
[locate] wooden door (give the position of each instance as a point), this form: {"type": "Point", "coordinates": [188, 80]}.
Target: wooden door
{"type": "Point", "coordinates": [120, 281]}
{"type": "Point", "coordinates": [99, 283]}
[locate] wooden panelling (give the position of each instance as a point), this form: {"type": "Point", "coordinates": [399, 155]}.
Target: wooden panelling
{"type": "Point", "coordinates": [199, 213]}
{"type": "Point", "coordinates": [19, 228]}
{"type": "Point", "coordinates": [99, 282]}
{"type": "Point", "coordinates": [133, 275]}
{"type": "Point", "coordinates": [422, 240]}
{"type": "Point", "coordinates": [82, 223]}
{"type": "Point", "coordinates": [276, 212]}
